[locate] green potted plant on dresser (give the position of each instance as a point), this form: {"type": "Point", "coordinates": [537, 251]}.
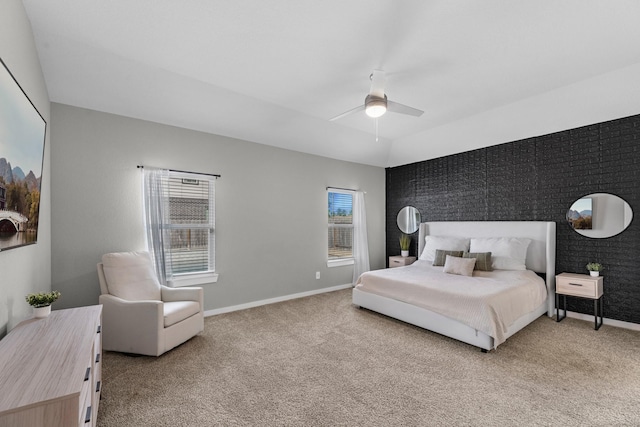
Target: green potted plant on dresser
{"type": "Point", "coordinates": [41, 302]}
{"type": "Point", "coordinates": [595, 268]}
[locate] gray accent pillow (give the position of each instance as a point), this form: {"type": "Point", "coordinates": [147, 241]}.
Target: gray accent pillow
{"type": "Point", "coordinates": [459, 266]}
{"type": "Point", "coordinates": [439, 259]}
{"type": "Point", "coordinates": [483, 260]}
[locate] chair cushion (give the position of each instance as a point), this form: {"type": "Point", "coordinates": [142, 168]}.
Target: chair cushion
{"type": "Point", "coordinates": [177, 311]}
{"type": "Point", "coordinates": [131, 276]}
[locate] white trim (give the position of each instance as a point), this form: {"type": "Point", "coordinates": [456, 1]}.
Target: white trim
{"type": "Point", "coordinates": [193, 279]}
{"type": "Point", "coordinates": [339, 262]}
{"type": "Point", "coordinates": [605, 321]}
{"type": "Point", "coordinates": [274, 300]}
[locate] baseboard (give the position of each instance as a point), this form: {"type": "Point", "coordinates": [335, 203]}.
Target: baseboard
{"type": "Point", "coordinates": [605, 321]}
{"type": "Point", "coordinates": [274, 300]}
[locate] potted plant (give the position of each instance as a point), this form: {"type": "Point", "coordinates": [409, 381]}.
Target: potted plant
{"type": "Point", "coordinates": [41, 302]}
{"type": "Point", "coordinates": [595, 268]}
{"type": "Point", "coordinates": [405, 242]}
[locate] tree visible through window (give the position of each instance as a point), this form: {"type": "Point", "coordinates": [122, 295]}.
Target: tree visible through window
{"type": "Point", "coordinates": [340, 238]}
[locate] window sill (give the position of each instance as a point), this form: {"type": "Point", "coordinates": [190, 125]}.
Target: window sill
{"type": "Point", "coordinates": [340, 262]}
{"type": "Point", "coordinates": [193, 279]}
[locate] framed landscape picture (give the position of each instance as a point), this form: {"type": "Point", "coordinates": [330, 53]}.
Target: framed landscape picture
{"type": "Point", "coordinates": [22, 136]}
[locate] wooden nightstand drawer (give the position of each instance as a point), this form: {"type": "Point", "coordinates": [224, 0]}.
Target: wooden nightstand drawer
{"type": "Point", "coordinates": [399, 261]}
{"type": "Point", "coordinates": [579, 285]}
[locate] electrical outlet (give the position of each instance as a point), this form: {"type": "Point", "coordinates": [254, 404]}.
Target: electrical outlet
{"type": "Point", "coordinates": [317, 275]}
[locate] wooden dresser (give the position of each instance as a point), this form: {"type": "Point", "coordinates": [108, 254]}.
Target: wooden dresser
{"type": "Point", "coordinates": [50, 370]}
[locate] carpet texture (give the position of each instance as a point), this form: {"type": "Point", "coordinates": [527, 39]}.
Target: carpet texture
{"type": "Point", "coordinates": [320, 361]}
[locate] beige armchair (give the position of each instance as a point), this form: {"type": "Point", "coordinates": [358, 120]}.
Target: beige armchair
{"type": "Point", "coordinates": [141, 316]}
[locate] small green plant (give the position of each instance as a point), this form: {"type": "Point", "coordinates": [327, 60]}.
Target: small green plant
{"type": "Point", "coordinates": [42, 299]}
{"type": "Point", "coordinates": [405, 242]}
{"type": "Point", "coordinates": [595, 266]}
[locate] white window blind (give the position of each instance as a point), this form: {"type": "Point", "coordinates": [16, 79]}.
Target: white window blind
{"type": "Point", "coordinates": [340, 237]}
{"type": "Point", "coordinates": [191, 224]}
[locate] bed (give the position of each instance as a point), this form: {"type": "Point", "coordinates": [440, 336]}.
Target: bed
{"type": "Point", "coordinates": [382, 290]}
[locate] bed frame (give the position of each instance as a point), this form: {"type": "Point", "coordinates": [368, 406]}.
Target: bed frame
{"type": "Point", "coordinates": [541, 258]}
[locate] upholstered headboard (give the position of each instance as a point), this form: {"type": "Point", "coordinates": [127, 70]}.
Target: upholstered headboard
{"type": "Point", "coordinates": [541, 254]}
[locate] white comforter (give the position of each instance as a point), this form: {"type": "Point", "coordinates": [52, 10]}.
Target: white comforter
{"type": "Point", "coordinates": [489, 301]}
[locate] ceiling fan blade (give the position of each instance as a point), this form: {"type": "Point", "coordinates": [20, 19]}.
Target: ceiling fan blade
{"type": "Point", "coordinates": [346, 113]}
{"type": "Point", "coordinates": [378, 81]}
{"type": "Point", "coordinates": [403, 109]}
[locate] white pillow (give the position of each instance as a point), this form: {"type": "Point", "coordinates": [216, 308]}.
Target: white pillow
{"type": "Point", "coordinates": [459, 266]}
{"type": "Point", "coordinates": [131, 276]}
{"type": "Point", "coordinates": [507, 253]}
{"type": "Point", "coordinates": [445, 243]}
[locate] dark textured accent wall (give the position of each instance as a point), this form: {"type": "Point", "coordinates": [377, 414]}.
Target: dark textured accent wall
{"type": "Point", "coordinates": [538, 179]}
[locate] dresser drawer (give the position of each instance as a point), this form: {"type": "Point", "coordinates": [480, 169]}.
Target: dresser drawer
{"type": "Point", "coordinates": [399, 261]}
{"type": "Point", "coordinates": [579, 285]}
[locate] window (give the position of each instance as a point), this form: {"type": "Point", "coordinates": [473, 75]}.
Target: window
{"type": "Point", "coordinates": [340, 220]}
{"type": "Point", "coordinates": [180, 223]}
{"type": "Point", "coordinates": [191, 225]}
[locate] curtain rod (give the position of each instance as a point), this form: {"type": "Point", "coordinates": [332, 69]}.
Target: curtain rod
{"type": "Point", "coordinates": [179, 171]}
{"type": "Point", "coordinates": [338, 188]}
{"type": "Point", "coordinates": [345, 189]}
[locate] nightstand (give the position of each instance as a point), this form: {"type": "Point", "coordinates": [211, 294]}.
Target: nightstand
{"type": "Point", "coordinates": [583, 286]}
{"type": "Point", "coordinates": [399, 261]}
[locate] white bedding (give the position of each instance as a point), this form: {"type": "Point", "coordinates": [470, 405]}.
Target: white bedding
{"type": "Point", "coordinates": [489, 301]}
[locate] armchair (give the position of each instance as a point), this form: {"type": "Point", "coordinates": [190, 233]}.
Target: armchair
{"type": "Point", "coordinates": [140, 315]}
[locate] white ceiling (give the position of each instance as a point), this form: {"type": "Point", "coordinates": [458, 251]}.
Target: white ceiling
{"type": "Point", "coordinates": [274, 72]}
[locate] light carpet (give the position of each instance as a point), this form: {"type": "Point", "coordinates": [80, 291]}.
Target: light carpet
{"type": "Point", "coordinates": [320, 361]}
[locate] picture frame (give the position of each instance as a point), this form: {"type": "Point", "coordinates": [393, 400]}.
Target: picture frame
{"type": "Point", "coordinates": [22, 143]}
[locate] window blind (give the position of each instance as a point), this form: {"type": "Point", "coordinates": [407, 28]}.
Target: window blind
{"type": "Point", "coordinates": [191, 224]}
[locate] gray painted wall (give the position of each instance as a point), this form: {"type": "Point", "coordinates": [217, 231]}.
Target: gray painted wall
{"type": "Point", "coordinates": [271, 221]}
{"type": "Point", "coordinates": [27, 269]}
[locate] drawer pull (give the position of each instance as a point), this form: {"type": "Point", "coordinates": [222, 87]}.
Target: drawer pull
{"type": "Point", "coordinates": [396, 262]}
{"type": "Point", "coordinates": [86, 375]}
{"type": "Point", "coordinates": [98, 387]}
{"type": "Point", "coordinates": [99, 328]}
{"type": "Point", "coordinates": [87, 417]}
{"type": "Point", "coordinates": [575, 284]}
{"type": "Point", "coordinates": [98, 358]}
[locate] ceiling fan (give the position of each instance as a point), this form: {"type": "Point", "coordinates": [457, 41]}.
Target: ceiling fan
{"type": "Point", "coordinates": [376, 102]}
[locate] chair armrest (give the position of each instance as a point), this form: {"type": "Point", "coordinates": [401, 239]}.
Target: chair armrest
{"type": "Point", "coordinates": [183, 294]}
{"type": "Point", "coordinates": [146, 313]}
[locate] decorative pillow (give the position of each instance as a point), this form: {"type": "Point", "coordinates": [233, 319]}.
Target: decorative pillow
{"type": "Point", "coordinates": [507, 253]}
{"type": "Point", "coordinates": [459, 266]}
{"type": "Point", "coordinates": [432, 243]}
{"type": "Point", "coordinates": [440, 256]}
{"type": "Point", "coordinates": [131, 276]}
{"type": "Point", "coordinates": [483, 260]}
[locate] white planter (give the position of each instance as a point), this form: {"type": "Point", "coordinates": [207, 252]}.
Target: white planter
{"type": "Point", "coordinates": [40, 312]}
{"type": "Point", "coordinates": [594, 273]}
{"type": "Point", "coordinates": [404, 253]}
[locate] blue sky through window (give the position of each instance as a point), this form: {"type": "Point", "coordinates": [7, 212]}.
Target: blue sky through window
{"type": "Point", "coordinates": [340, 204]}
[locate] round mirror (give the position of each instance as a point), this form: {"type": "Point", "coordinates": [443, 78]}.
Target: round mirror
{"type": "Point", "coordinates": [408, 219]}
{"type": "Point", "coordinates": [599, 215]}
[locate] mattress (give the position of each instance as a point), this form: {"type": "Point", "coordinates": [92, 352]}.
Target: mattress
{"type": "Point", "coordinates": [489, 301]}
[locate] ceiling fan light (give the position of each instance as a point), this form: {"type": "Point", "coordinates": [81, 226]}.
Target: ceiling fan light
{"type": "Point", "coordinates": [375, 106]}
{"type": "Point", "coordinates": [375, 110]}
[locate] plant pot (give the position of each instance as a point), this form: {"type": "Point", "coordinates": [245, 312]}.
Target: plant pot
{"type": "Point", "coordinates": [40, 312]}
{"type": "Point", "coordinates": [404, 253]}
{"type": "Point", "coordinates": [594, 273]}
